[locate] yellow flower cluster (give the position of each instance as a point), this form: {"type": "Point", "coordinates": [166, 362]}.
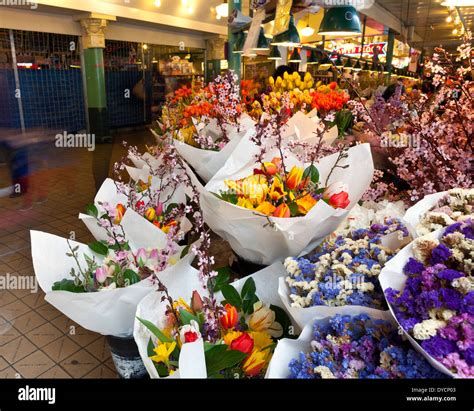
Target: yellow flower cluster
{"type": "Point", "coordinates": [291, 82]}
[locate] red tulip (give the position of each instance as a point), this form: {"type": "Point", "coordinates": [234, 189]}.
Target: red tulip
{"type": "Point", "coordinates": [244, 344]}
{"type": "Point", "coordinates": [340, 200]}
{"type": "Point", "coordinates": [282, 211]}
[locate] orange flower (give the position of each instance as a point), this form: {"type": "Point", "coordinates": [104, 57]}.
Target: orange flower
{"type": "Point", "coordinates": [120, 211]}
{"type": "Point", "coordinates": [150, 214]}
{"type": "Point", "coordinates": [277, 190]}
{"type": "Point", "coordinates": [230, 318]}
{"type": "Point", "coordinates": [255, 362]}
{"type": "Point", "coordinates": [282, 211]}
{"type": "Point", "coordinates": [293, 179]}
{"type": "Point", "coordinates": [266, 208]}
{"type": "Point", "coordinates": [305, 204]}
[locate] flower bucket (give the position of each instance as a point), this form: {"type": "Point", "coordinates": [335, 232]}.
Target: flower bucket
{"type": "Point", "coordinates": [126, 357]}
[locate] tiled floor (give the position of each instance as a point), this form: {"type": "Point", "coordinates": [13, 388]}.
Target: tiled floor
{"type": "Point", "coordinates": [36, 340]}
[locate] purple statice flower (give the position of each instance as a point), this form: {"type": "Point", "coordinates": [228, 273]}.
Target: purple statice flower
{"type": "Point", "coordinates": [413, 267]}
{"type": "Point", "coordinates": [359, 347]}
{"type": "Point", "coordinates": [453, 361]}
{"type": "Point", "coordinates": [440, 254]}
{"type": "Point", "coordinates": [452, 299]}
{"type": "Point", "coordinates": [439, 347]}
{"type": "Point", "coordinates": [468, 303]}
{"type": "Point", "coordinates": [449, 274]}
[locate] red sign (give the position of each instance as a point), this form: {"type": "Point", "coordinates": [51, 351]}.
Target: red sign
{"type": "Point", "coordinates": [355, 50]}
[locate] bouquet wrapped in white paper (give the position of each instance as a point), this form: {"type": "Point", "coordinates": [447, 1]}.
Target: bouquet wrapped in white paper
{"type": "Point", "coordinates": [208, 162]}
{"type": "Point", "coordinates": [114, 278]}
{"type": "Point", "coordinates": [348, 347]}
{"type": "Point", "coordinates": [440, 210]}
{"type": "Point", "coordinates": [428, 286]}
{"type": "Point", "coordinates": [262, 238]}
{"type": "Point", "coordinates": [110, 196]}
{"type": "Point", "coordinates": [153, 318]}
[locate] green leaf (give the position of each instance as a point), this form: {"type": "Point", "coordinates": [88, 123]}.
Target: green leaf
{"type": "Point", "coordinates": [282, 317]}
{"type": "Point", "coordinates": [185, 251]}
{"type": "Point", "coordinates": [343, 120]}
{"type": "Point", "coordinates": [232, 296]}
{"type": "Point", "coordinates": [249, 289]}
{"type": "Point", "coordinates": [222, 278]}
{"type": "Point", "coordinates": [312, 172]}
{"type": "Point", "coordinates": [155, 331]}
{"type": "Point", "coordinates": [247, 306]}
{"type": "Point", "coordinates": [91, 210]}
{"type": "Point", "coordinates": [229, 197]}
{"type": "Point", "coordinates": [68, 285]}
{"type": "Point", "coordinates": [131, 277]}
{"type": "Point", "coordinates": [99, 248]}
{"type": "Point", "coordinates": [294, 210]}
{"type": "Point", "coordinates": [219, 358]}
{"type": "Point", "coordinates": [150, 348]}
{"type": "Point", "coordinates": [186, 317]}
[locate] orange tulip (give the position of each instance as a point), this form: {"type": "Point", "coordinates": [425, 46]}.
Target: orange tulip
{"type": "Point", "coordinates": [269, 169]}
{"type": "Point", "coordinates": [255, 362]}
{"type": "Point", "coordinates": [230, 318]}
{"type": "Point", "coordinates": [266, 208]}
{"type": "Point", "coordinates": [120, 211]}
{"type": "Point", "coordinates": [282, 211]}
{"type": "Point", "coordinates": [293, 179]}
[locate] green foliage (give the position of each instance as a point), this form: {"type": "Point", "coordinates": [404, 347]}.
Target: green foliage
{"type": "Point", "coordinates": [91, 210]}
{"type": "Point", "coordinates": [68, 285]}
{"type": "Point", "coordinates": [99, 248]}
{"type": "Point", "coordinates": [219, 358]}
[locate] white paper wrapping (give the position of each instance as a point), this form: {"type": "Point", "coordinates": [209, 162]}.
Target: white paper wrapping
{"type": "Point", "coordinates": [288, 349]}
{"type": "Point", "coordinates": [109, 312]}
{"type": "Point", "coordinates": [304, 127]}
{"type": "Point", "coordinates": [392, 276]}
{"type": "Point", "coordinates": [249, 234]}
{"type": "Point", "coordinates": [415, 213]}
{"type": "Point", "coordinates": [151, 308]}
{"type": "Point", "coordinates": [108, 194]}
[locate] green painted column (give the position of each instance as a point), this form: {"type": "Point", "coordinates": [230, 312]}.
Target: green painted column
{"type": "Point", "coordinates": [96, 97]}
{"type": "Point", "coordinates": [234, 58]}
{"type": "Point", "coordinates": [213, 70]}
{"type": "Point", "coordinates": [390, 46]}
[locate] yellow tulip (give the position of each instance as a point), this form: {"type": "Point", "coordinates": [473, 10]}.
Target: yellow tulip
{"type": "Point", "coordinates": [271, 80]}
{"type": "Point", "coordinates": [305, 204]}
{"type": "Point", "coordinates": [296, 76]}
{"type": "Point", "coordinates": [255, 363]}
{"type": "Point", "coordinates": [261, 339]}
{"type": "Point", "coordinates": [245, 203]}
{"type": "Point", "coordinates": [277, 190]}
{"type": "Point", "coordinates": [266, 208]}
{"type": "Point", "coordinates": [286, 75]}
{"type": "Point", "coordinates": [308, 76]}
{"type": "Point", "coordinates": [293, 179]}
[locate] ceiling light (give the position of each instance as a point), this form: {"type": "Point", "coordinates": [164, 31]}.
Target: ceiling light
{"type": "Point", "coordinates": [449, 19]}
{"type": "Point", "coordinates": [340, 21]}
{"type": "Point", "coordinates": [274, 54]}
{"type": "Point", "coordinates": [313, 57]}
{"type": "Point", "coordinates": [223, 9]}
{"type": "Point", "coordinates": [357, 66]}
{"type": "Point", "coordinates": [289, 38]}
{"type": "Point", "coordinates": [145, 46]}
{"type": "Point", "coordinates": [455, 32]}
{"type": "Point", "coordinates": [458, 3]}
{"type": "Point", "coordinates": [157, 3]}
{"type": "Point", "coordinates": [307, 31]}
{"type": "Point", "coordinates": [295, 56]}
{"type": "Point", "coordinates": [263, 42]}
{"type": "Point", "coordinates": [339, 64]}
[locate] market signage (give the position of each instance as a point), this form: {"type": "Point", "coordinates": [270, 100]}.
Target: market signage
{"type": "Point", "coordinates": [355, 50]}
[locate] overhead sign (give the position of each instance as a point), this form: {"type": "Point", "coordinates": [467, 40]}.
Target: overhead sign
{"type": "Point", "coordinates": [379, 49]}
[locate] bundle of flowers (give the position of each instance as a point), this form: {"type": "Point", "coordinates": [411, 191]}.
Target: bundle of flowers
{"type": "Point", "coordinates": [341, 273]}
{"type": "Point", "coordinates": [357, 346]}
{"type": "Point", "coordinates": [434, 302]}
{"type": "Point", "coordinates": [99, 285]}
{"type": "Point", "coordinates": [236, 340]}
{"type": "Point", "coordinates": [327, 98]}
{"type": "Point", "coordinates": [426, 140]}
{"type": "Point", "coordinates": [273, 191]}
{"type": "Point", "coordinates": [285, 196]}
{"type": "Point", "coordinates": [440, 210]}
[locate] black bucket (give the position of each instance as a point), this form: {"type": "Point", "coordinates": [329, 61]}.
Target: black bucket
{"type": "Point", "coordinates": [126, 357]}
{"type": "Point", "coordinates": [245, 267]}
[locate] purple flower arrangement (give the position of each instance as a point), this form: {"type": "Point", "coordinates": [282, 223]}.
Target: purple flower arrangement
{"type": "Point", "coordinates": [343, 271]}
{"type": "Point", "coordinates": [359, 347]}
{"type": "Point", "coordinates": [436, 305]}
